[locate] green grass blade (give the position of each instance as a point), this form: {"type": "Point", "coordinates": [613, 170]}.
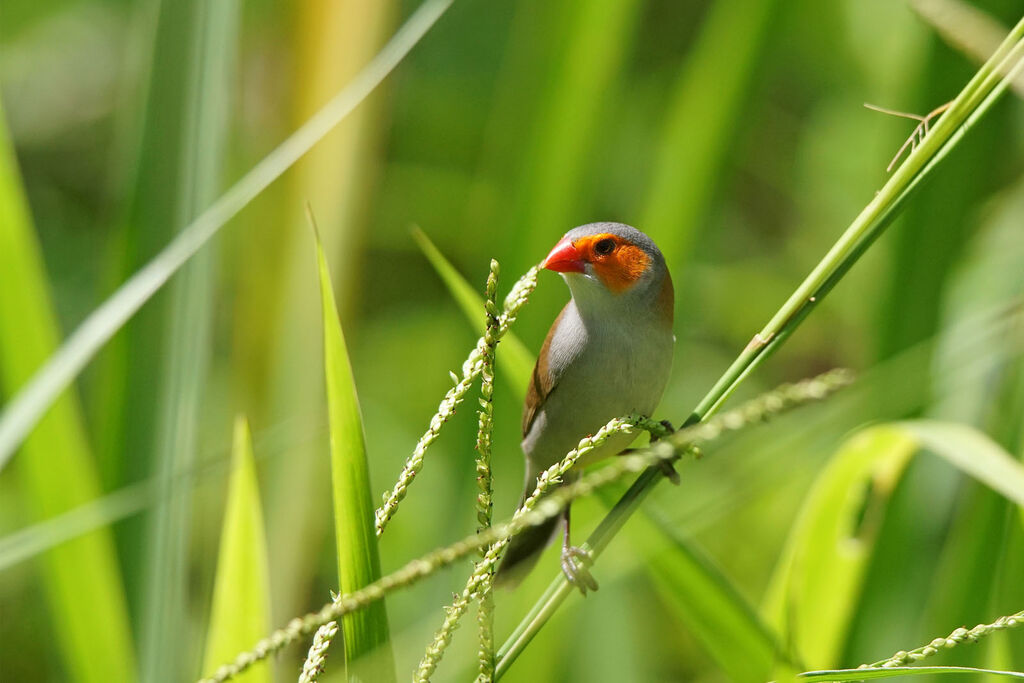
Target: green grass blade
{"type": "Point", "coordinates": [824, 562]}
{"type": "Point", "coordinates": [723, 61]}
{"type": "Point", "coordinates": [98, 513]}
{"type": "Point", "coordinates": [365, 632]}
{"type": "Point", "coordinates": [37, 394]}
{"type": "Point", "coordinates": [206, 34]}
{"type": "Point", "coordinates": [892, 672]}
{"type": "Point", "coordinates": [696, 591]}
{"type": "Point", "coordinates": [81, 578]}
{"type": "Point", "coordinates": [973, 453]}
{"type": "Point", "coordinates": [514, 357]}
{"type": "Point", "coordinates": [240, 612]}
{"type": "Point", "coordinates": [828, 550]}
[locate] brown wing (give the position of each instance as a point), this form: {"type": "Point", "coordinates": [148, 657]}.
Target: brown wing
{"type": "Point", "coordinates": [542, 383]}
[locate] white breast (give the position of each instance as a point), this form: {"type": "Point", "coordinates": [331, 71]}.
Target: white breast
{"type": "Point", "coordinates": [604, 369]}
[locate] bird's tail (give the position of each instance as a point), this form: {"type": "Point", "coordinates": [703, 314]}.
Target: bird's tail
{"type": "Point", "coordinates": [523, 552]}
{"type": "Point", "coordinates": [525, 547]}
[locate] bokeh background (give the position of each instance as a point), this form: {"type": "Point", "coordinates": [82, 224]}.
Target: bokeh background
{"type": "Point", "coordinates": [732, 131]}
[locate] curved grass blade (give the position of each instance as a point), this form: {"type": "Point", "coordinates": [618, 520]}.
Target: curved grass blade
{"type": "Point", "coordinates": [514, 357]}
{"type": "Point", "coordinates": [973, 453]}
{"type": "Point", "coordinates": [36, 395]}
{"type": "Point", "coordinates": [241, 591]}
{"type": "Point", "coordinates": [81, 578]}
{"type": "Point", "coordinates": [366, 634]}
{"type": "Point", "coordinates": [827, 553]}
{"type": "Point", "coordinates": [822, 567]}
{"type": "Point", "coordinates": [892, 672]}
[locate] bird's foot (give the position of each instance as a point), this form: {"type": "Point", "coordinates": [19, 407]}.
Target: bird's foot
{"type": "Point", "coordinates": [668, 467]}
{"type": "Point", "coordinates": [575, 565]}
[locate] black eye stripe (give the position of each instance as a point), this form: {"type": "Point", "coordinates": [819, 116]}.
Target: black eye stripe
{"type": "Point", "coordinates": [604, 247]}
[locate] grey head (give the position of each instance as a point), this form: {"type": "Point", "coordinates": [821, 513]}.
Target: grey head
{"type": "Point", "coordinates": [615, 266]}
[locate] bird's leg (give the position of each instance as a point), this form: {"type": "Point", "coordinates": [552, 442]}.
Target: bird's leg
{"type": "Point", "coordinates": [667, 466]}
{"type": "Point", "coordinates": [575, 562]}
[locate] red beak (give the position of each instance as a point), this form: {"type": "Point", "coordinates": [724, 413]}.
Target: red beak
{"type": "Point", "coordinates": [564, 258]}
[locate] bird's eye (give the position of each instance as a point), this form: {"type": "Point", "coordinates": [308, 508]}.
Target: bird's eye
{"type": "Point", "coordinates": [604, 247]}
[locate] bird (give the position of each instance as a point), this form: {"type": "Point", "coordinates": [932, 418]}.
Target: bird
{"type": "Point", "coordinates": [608, 354]}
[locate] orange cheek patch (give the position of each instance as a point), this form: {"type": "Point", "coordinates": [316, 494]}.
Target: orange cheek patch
{"type": "Point", "coordinates": [622, 268]}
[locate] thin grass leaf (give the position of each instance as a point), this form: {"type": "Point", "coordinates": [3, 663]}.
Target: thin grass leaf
{"type": "Point", "coordinates": [366, 633]}
{"type": "Point", "coordinates": [705, 601]}
{"type": "Point", "coordinates": [100, 512]}
{"type": "Point", "coordinates": [973, 453]}
{"type": "Point", "coordinates": [240, 611]}
{"type": "Point", "coordinates": [81, 579]}
{"type": "Point", "coordinates": [515, 358]}
{"type": "Point", "coordinates": [36, 395]}
{"type": "Point", "coordinates": [893, 672]}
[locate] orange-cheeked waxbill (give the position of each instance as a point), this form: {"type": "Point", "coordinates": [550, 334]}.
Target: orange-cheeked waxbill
{"type": "Point", "coordinates": [608, 354]}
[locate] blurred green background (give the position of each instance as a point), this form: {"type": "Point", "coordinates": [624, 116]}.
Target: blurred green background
{"type": "Point", "coordinates": [731, 131]}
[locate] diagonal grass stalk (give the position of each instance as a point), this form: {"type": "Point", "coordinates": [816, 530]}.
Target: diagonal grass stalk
{"type": "Point", "coordinates": [39, 393]}
{"type": "Point", "coordinates": [976, 98]}
{"type": "Point", "coordinates": [892, 672]}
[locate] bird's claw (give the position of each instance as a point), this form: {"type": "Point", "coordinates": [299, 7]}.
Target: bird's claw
{"type": "Point", "coordinates": [575, 563]}
{"type": "Point", "coordinates": [668, 467]}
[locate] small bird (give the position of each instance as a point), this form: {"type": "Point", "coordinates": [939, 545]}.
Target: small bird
{"type": "Point", "coordinates": [608, 354]}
